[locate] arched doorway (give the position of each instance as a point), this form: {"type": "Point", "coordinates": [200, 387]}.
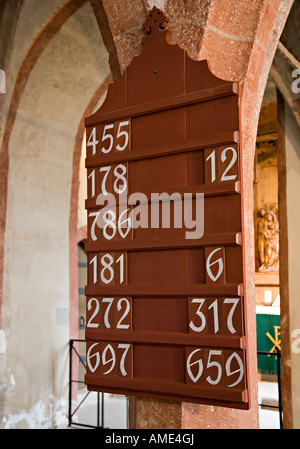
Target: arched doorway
{"type": "Point", "coordinates": [44, 110]}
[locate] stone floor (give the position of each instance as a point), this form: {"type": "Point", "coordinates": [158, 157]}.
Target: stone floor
{"type": "Point", "coordinates": [268, 396]}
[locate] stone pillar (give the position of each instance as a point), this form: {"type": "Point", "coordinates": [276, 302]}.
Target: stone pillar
{"type": "Point", "coordinates": [284, 270]}
{"type": "Point", "coordinates": [148, 413]}
{"type": "Point", "coordinates": [289, 185]}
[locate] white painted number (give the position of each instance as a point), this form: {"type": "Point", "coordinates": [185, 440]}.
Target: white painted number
{"type": "Point", "coordinates": [108, 137]}
{"type": "Point", "coordinates": [95, 313]}
{"type": "Point", "coordinates": [112, 360]}
{"type": "Point", "coordinates": [200, 314]}
{"type": "Point", "coordinates": [215, 307]}
{"type": "Point", "coordinates": [230, 165]}
{"type": "Point", "coordinates": [216, 365]}
{"type": "Point", "coordinates": [209, 264]}
{"type": "Point", "coordinates": [197, 362]}
{"type": "Point", "coordinates": [127, 220]}
{"type": "Point", "coordinates": [93, 261]}
{"type": "Point", "coordinates": [109, 218]}
{"type": "Point", "coordinates": [120, 260]}
{"type": "Point", "coordinates": [107, 272]}
{"type": "Point", "coordinates": [121, 134]}
{"type": "Point", "coordinates": [126, 347]}
{"type": "Point", "coordinates": [125, 313]}
{"type": "Point", "coordinates": [103, 185]}
{"type": "Point", "coordinates": [212, 158]}
{"type": "Point", "coordinates": [122, 303]}
{"type": "Point", "coordinates": [120, 177]}
{"type": "Point", "coordinates": [109, 301]}
{"type": "Point", "coordinates": [93, 188]}
{"type": "Point", "coordinates": [108, 267]}
{"type": "Point", "coordinates": [239, 370]}
{"type": "Point", "coordinates": [108, 357]}
{"type": "Point", "coordinates": [90, 356]}
{"type": "Point", "coordinates": [93, 225]}
{"type": "Point", "coordinates": [235, 302]}
{"type": "Point", "coordinates": [92, 141]}
{"type": "Point", "coordinates": [119, 173]}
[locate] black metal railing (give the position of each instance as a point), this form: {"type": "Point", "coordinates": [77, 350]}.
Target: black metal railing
{"type": "Point", "coordinates": [277, 355]}
{"type": "Point", "coordinates": [100, 396]}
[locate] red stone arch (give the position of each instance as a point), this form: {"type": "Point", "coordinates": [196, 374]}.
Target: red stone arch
{"type": "Point", "coordinates": [41, 40]}
{"type": "Point", "coordinates": [77, 235]}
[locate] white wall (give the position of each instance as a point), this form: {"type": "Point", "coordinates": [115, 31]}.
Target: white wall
{"type": "Point", "coordinates": [36, 272]}
{"type": "Point", "coordinates": [293, 219]}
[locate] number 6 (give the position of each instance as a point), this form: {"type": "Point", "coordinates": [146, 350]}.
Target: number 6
{"type": "Point", "coordinates": [189, 364]}
{"type": "Point", "coordinates": [209, 264]}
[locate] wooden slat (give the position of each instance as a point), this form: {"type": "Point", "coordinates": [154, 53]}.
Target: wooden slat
{"type": "Point", "coordinates": [208, 190]}
{"type": "Point", "coordinates": [174, 290]}
{"type": "Point", "coordinates": [233, 238]}
{"type": "Point", "coordinates": [194, 144]}
{"type": "Point", "coordinates": [161, 105]}
{"type": "Point", "coordinates": [173, 338]}
{"type": "Point", "coordinates": [174, 388]}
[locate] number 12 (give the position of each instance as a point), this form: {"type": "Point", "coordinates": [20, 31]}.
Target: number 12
{"type": "Point", "coordinates": [212, 158]}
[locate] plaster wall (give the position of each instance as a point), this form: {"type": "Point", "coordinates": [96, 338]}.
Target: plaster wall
{"type": "Point", "coordinates": [36, 273]}
{"type": "Point", "coordinates": [33, 15]}
{"type": "Point", "coordinates": [82, 191]}
{"type": "Point", "coordinates": [292, 143]}
{"type": "Point", "coordinates": [82, 194]}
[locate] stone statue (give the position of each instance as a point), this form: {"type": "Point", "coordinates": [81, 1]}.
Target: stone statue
{"type": "Point", "coordinates": [268, 238]}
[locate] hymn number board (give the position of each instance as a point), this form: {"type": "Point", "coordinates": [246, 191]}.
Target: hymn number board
{"type": "Point", "coordinates": [165, 306]}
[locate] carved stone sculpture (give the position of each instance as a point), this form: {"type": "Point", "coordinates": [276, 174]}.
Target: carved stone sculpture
{"type": "Point", "coordinates": [268, 238]}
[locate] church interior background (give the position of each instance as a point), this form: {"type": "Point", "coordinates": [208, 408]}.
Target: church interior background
{"type": "Point", "coordinates": [57, 59]}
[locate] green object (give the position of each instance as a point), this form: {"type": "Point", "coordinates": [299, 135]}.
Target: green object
{"type": "Point", "coordinates": [268, 339]}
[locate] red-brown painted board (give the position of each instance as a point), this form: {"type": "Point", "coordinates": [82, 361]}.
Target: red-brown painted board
{"type": "Point", "coordinates": [195, 317]}
{"type": "Point", "coordinates": [210, 373]}
{"type": "Point", "coordinates": [215, 267]}
{"type": "Point", "coordinates": [165, 313]}
{"type": "Point", "coordinates": [165, 219]}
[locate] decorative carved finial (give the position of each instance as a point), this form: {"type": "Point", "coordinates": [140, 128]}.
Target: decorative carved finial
{"type": "Point", "coordinates": [268, 238]}
{"type": "Point", "coordinates": [156, 21]}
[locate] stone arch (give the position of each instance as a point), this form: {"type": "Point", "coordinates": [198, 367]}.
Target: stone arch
{"type": "Point", "coordinates": [77, 234]}
{"type": "Point", "coordinates": [52, 94]}
{"type": "Point", "coordinates": [40, 42]}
